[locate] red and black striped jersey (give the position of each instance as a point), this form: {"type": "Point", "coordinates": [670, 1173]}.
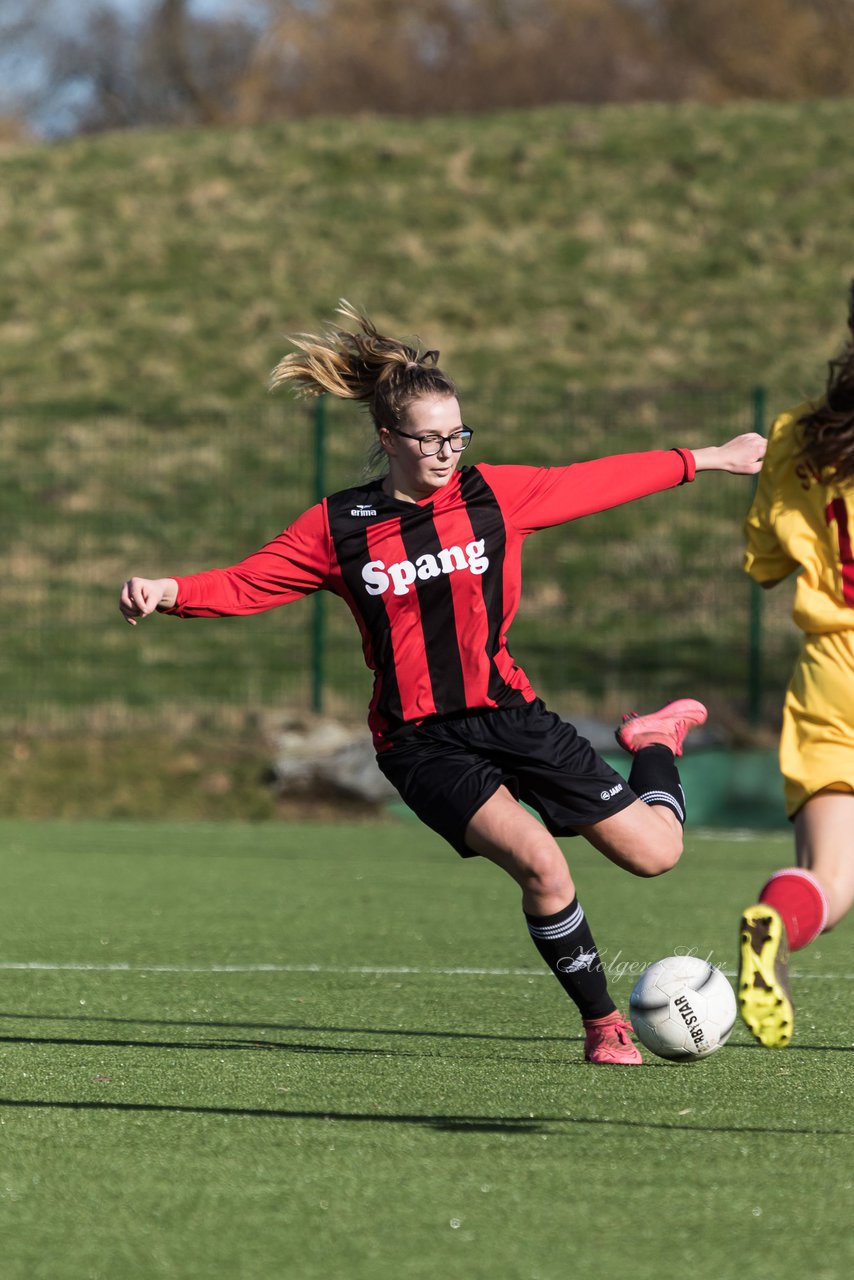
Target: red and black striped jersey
{"type": "Point", "coordinates": [433, 585]}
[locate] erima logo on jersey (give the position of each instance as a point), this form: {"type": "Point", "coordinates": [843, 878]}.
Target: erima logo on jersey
{"type": "Point", "coordinates": [363, 510]}
{"type": "Point", "coordinates": [379, 577]}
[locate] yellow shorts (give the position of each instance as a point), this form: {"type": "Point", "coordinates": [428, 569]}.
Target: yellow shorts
{"type": "Point", "coordinates": [817, 740]}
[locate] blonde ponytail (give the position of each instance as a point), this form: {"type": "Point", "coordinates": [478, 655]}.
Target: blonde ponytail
{"type": "Point", "coordinates": [385, 373]}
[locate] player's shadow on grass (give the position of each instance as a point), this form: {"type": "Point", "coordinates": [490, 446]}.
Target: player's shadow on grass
{"type": "Point", "coordinates": [286, 1027]}
{"type": "Point", "coordinates": [737, 1046]}
{"type": "Point", "coordinates": [465, 1124]}
{"type": "Point", "coordinates": [220, 1045]}
{"type": "Point", "coordinates": [523, 1125]}
{"type": "Point", "coordinates": [234, 1044]}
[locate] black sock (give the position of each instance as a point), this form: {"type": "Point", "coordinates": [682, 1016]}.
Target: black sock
{"type": "Point", "coordinates": [654, 779]}
{"type": "Point", "coordinates": [566, 944]}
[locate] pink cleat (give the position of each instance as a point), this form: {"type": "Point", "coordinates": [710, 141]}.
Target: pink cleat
{"type": "Point", "coordinates": [607, 1042]}
{"type": "Point", "coordinates": [665, 728]}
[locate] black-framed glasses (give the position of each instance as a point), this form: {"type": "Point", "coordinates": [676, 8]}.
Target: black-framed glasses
{"type": "Point", "coordinates": [432, 444]}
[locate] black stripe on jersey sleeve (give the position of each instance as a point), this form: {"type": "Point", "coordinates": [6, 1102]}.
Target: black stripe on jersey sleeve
{"type": "Point", "coordinates": [487, 522]}
{"type": "Point", "coordinates": [438, 620]}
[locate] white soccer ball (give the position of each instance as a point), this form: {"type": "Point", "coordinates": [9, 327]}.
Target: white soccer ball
{"type": "Point", "coordinates": [682, 1008]}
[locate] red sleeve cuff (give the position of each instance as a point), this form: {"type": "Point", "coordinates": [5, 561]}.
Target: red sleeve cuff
{"type": "Point", "coordinates": [689, 463]}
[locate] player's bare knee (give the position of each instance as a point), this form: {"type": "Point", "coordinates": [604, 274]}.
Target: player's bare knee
{"type": "Point", "coordinates": [546, 873]}
{"type": "Point", "coordinates": [659, 856]}
{"type": "Point", "coordinates": [546, 883]}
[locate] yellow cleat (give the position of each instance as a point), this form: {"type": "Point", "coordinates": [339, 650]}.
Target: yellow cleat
{"type": "Point", "coordinates": [764, 999]}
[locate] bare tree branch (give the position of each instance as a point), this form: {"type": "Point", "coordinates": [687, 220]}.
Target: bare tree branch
{"type": "Point", "coordinates": [291, 58]}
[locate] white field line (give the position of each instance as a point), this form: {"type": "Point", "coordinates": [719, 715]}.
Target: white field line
{"type": "Point", "coordinates": [774, 835]}
{"type": "Point", "coordinates": [781, 832]}
{"type": "Point", "coordinates": [366, 969]}
{"type": "Point", "coordinates": [39, 966]}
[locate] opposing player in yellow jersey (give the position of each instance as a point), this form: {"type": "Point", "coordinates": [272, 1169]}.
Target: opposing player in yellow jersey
{"type": "Point", "coordinates": [802, 518]}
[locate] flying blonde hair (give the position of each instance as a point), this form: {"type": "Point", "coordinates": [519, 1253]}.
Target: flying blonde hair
{"type": "Point", "coordinates": [386, 374]}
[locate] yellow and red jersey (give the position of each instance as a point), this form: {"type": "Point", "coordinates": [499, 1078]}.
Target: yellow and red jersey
{"type": "Point", "coordinates": [800, 520]}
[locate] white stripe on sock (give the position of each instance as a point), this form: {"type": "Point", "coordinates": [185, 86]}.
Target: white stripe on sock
{"type": "Point", "coordinates": [560, 929]}
{"type": "Point", "coordinates": [664, 797]}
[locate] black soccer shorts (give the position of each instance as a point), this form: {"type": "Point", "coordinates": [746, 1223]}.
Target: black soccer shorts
{"type": "Point", "coordinates": [446, 769]}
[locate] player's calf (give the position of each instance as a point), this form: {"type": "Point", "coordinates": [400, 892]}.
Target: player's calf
{"type": "Point", "coordinates": [655, 740]}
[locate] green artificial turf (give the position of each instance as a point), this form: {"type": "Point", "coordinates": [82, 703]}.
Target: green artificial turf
{"type": "Point", "coordinates": [310, 1051]}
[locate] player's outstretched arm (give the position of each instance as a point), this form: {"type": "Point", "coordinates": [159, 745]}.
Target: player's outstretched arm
{"type": "Point", "coordinates": [141, 596]}
{"type": "Point", "coordinates": [742, 456]}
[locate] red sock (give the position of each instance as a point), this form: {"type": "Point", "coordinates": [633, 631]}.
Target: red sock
{"type": "Point", "coordinates": [800, 900]}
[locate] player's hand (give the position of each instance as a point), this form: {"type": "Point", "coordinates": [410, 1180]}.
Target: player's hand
{"type": "Point", "coordinates": [141, 596]}
{"type": "Point", "coordinates": [741, 456]}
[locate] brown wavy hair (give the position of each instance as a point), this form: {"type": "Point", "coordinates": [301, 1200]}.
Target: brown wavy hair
{"type": "Point", "coordinates": [387, 375]}
{"type": "Point", "coordinates": [828, 430]}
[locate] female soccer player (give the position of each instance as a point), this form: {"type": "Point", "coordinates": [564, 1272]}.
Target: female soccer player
{"type": "Point", "coordinates": [428, 557]}
{"type": "Point", "coordinates": [802, 518]}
